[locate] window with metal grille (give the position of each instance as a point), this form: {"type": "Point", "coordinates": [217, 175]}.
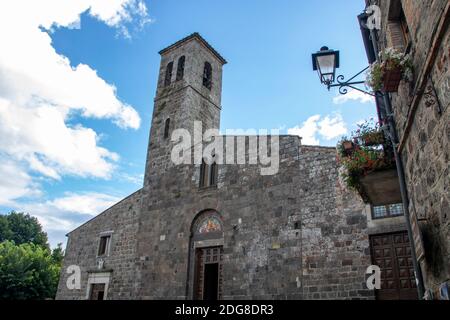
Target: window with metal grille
{"type": "Point", "coordinates": [168, 77]}
{"type": "Point", "coordinates": [386, 211]}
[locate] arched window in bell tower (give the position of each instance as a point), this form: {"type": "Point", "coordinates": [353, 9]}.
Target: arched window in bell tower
{"type": "Point", "coordinates": [208, 173]}
{"type": "Point", "coordinates": [203, 174]}
{"type": "Point", "coordinates": [167, 128]}
{"type": "Point", "coordinates": [168, 77]}
{"type": "Point", "coordinates": [207, 75]}
{"type": "Point", "coordinates": [180, 68]}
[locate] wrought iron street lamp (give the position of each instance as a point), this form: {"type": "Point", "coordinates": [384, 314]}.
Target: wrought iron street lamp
{"type": "Point", "coordinates": [326, 62]}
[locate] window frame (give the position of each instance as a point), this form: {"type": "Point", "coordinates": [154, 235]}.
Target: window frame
{"type": "Point", "coordinates": [207, 75]}
{"type": "Point", "coordinates": [166, 128]}
{"type": "Point", "coordinates": [168, 74]}
{"type": "Point", "coordinates": [108, 237]}
{"type": "Point", "coordinates": [388, 211]}
{"type": "Point", "coordinates": [180, 68]}
{"type": "Point", "coordinates": [208, 174]}
{"type": "Point", "coordinates": [98, 278]}
{"type": "Point", "coordinates": [204, 174]}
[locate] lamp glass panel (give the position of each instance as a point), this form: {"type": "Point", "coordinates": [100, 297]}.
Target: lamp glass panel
{"type": "Point", "coordinates": [326, 63]}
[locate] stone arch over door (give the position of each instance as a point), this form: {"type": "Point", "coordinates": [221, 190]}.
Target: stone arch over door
{"type": "Point", "coordinates": [205, 256]}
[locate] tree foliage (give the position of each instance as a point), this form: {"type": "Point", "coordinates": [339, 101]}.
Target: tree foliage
{"type": "Point", "coordinates": [22, 228]}
{"type": "Point", "coordinates": [27, 271]}
{"type": "Point", "coordinates": [28, 268]}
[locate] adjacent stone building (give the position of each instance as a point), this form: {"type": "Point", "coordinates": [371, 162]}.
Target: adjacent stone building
{"type": "Point", "coordinates": [222, 231]}
{"type": "Point", "coordinates": [421, 112]}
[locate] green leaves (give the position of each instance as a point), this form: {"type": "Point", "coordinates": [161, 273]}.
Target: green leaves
{"type": "Point", "coordinates": [27, 271]}
{"type": "Point", "coordinates": [22, 228]}
{"type": "Point", "coordinates": [390, 59]}
{"type": "Point", "coordinates": [370, 152]}
{"type": "Point", "coordinates": [28, 268]}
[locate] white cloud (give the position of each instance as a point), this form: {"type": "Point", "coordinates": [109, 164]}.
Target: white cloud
{"type": "Point", "coordinates": [316, 127]}
{"type": "Point", "coordinates": [15, 182]}
{"type": "Point", "coordinates": [332, 127]}
{"type": "Point", "coordinates": [61, 215]}
{"type": "Point", "coordinates": [307, 131]}
{"type": "Point", "coordinates": [40, 91]}
{"type": "Point", "coordinates": [88, 203]}
{"type": "Point", "coordinates": [355, 95]}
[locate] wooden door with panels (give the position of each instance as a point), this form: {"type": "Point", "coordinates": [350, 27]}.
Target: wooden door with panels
{"type": "Point", "coordinates": [392, 253]}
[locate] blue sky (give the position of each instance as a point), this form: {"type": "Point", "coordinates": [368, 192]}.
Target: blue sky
{"type": "Point", "coordinates": [267, 83]}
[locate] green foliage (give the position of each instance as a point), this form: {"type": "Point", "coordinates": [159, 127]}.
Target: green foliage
{"type": "Point", "coordinates": [28, 268]}
{"type": "Point", "coordinates": [362, 161]}
{"type": "Point", "coordinates": [364, 158]}
{"type": "Point", "coordinates": [27, 271]}
{"type": "Point", "coordinates": [369, 133]}
{"type": "Point", "coordinates": [391, 59]}
{"type": "Point", "coordinates": [340, 146]}
{"type": "Point", "coordinates": [58, 255]}
{"type": "Point", "coordinates": [22, 228]}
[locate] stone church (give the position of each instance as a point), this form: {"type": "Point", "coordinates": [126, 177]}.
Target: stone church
{"type": "Point", "coordinates": [221, 231]}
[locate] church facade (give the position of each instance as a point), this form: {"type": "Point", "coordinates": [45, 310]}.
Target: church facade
{"type": "Point", "coordinates": [221, 231]}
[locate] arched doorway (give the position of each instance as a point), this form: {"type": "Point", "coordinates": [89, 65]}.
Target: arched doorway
{"type": "Point", "coordinates": [206, 256]}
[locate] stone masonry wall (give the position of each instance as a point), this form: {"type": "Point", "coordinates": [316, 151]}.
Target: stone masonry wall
{"type": "Point", "coordinates": [267, 220]}
{"type": "Point", "coordinates": [426, 152]}
{"type": "Point", "coordinates": [335, 242]}
{"type": "Point", "coordinates": [82, 248]}
{"type": "Point", "coordinates": [292, 235]}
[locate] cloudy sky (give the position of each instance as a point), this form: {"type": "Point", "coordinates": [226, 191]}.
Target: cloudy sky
{"type": "Point", "coordinates": [77, 81]}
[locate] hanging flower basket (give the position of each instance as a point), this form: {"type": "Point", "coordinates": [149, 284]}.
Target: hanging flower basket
{"type": "Point", "coordinates": [391, 79]}
{"type": "Point", "coordinates": [348, 145]}
{"type": "Point", "coordinates": [345, 147]}
{"type": "Point", "coordinates": [373, 138]}
{"type": "Point", "coordinates": [386, 75]}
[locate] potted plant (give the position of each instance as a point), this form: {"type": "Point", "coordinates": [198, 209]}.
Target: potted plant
{"type": "Point", "coordinates": [366, 152]}
{"type": "Point", "coordinates": [345, 147]}
{"type": "Point", "coordinates": [386, 75]}
{"type": "Point", "coordinates": [348, 145]}
{"type": "Point", "coordinates": [370, 133]}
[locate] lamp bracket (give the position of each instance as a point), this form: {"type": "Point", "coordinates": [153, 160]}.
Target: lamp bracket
{"type": "Point", "coordinates": [343, 85]}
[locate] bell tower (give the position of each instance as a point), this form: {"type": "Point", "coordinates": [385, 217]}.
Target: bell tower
{"type": "Point", "coordinates": [189, 89]}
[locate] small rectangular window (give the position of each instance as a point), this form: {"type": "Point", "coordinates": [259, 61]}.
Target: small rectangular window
{"type": "Point", "coordinates": [103, 245]}
{"type": "Point", "coordinates": [97, 291]}
{"type": "Point", "coordinates": [396, 209]}
{"type": "Point", "coordinates": [379, 212]}
{"type": "Point", "coordinates": [386, 211]}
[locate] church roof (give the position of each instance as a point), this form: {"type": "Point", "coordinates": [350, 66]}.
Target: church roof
{"type": "Point", "coordinates": [197, 36]}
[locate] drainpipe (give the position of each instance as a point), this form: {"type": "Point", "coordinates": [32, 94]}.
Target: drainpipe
{"type": "Point", "coordinates": [401, 178]}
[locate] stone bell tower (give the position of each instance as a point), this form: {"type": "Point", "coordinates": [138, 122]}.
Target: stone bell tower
{"type": "Point", "coordinates": [189, 89]}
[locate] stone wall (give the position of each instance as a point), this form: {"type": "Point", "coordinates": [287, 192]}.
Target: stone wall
{"type": "Point", "coordinates": [82, 248]}
{"type": "Point", "coordinates": [295, 234]}
{"type": "Point", "coordinates": [335, 250]}
{"type": "Point", "coordinates": [271, 225]}
{"type": "Point", "coordinates": [425, 150]}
